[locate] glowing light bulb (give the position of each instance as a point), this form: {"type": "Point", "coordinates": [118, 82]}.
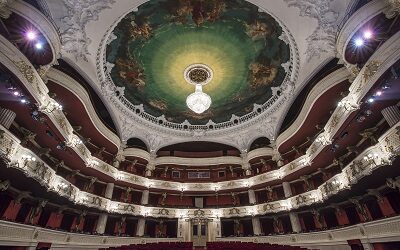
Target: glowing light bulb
{"type": "Point", "coordinates": [31, 35]}
{"type": "Point", "coordinates": [368, 34]}
{"type": "Point", "coordinates": [39, 45]}
{"type": "Point", "coordinates": [359, 42]}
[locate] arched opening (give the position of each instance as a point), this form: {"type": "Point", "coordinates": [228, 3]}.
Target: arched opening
{"type": "Point", "coordinates": [262, 142]}
{"type": "Point", "coordinates": [136, 143]}
{"type": "Point", "coordinates": [198, 149]}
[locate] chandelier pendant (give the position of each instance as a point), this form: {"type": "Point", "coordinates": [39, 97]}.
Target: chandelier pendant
{"type": "Point", "coordinates": [198, 75]}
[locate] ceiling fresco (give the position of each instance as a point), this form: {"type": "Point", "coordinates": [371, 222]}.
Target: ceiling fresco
{"type": "Point", "coordinates": [155, 44]}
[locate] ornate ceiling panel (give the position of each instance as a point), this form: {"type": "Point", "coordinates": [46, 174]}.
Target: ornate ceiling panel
{"type": "Point", "coordinates": [255, 79]}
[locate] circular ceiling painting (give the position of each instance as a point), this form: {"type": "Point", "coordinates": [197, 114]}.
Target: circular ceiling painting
{"type": "Point", "coordinates": [231, 40]}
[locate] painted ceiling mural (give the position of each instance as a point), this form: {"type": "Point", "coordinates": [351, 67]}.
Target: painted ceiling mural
{"type": "Point", "coordinates": [156, 43]}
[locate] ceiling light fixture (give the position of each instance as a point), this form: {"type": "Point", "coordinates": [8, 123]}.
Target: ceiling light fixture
{"type": "Point", "coordinates": [198, 101]}
{"type": "Point", "coordinates": [368, 34]}
{"type": "Point", "coordinates": [30, 35]}
{"type": "Point", "coordinates": [359, 42]}
{"type": "Point", "coordinates": [198, 75]}
{"type": "Point", "coordinates": [39, 45]}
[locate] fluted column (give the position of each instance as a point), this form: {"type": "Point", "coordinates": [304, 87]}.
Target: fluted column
{"type": "Point", "coordinates": [294, 218]}
{"type": "Point", "coordinates": [142, 221]}
{"type": "Point", "coordinates": [102, 221]}
{"type": "Point", "coordinates": [6, 117]}
{"type": "Point", "coordinates": [391, 115]}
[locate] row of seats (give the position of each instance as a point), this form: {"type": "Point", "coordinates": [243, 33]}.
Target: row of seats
{"type": "Point", "coordinates": [159, 246]}
{"type": "Point", "coordinates": [248, 246]}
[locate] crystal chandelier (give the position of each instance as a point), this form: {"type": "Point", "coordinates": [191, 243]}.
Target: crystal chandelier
{"type": "Point", "coordinates": [198, 101]}
{"type": "Point", "coordinates": [198, 75]}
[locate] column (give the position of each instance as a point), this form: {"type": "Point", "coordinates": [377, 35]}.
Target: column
{"type": "Point", "coordinates": [101, 223]}
{"type": "Point", "coordinates": [287, 190]}
{"type": "Point", "coordinates": [140, 227]}
{"type": "Point", "coordinates": [366, 244]}
{"type": "Point", "coordinates": [294, 218]}
{"type": "Point", "coordinates": [142, 221]}
{"type": "Point", "coordinates": [145, 197]}
{"type": "Point", "coordinates": [151, 165]}
{"type": "Point", "coordinates": [255, 220]}
{"type": "Point", "coordinates": [252, 197]}
{"type": "Point", "coordinates": [102, 220]}
{"type": "Point", "coordinates": [277, 157]}
{"type": "Point", "coordinates": [6, 117]}
{"type": "Point", "coordinates": [245, 162]}
{"type": "Point", "coordinates": [391, 115]}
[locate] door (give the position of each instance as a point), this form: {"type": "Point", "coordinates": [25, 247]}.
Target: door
{"type": "Point", "coordinates": [199, 234]}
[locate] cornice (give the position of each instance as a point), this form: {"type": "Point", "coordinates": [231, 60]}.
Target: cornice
{"type": "Point", "coordinates": [376, 66]}
{"type": "Point", "coordinates": [373, 231]}
{"type": "Point", "coordinates": [74, 87]}
{"type": "Point", "coordinates": [383, 230]}
{"type": "Point", "coordinates": [22, 234]}
{"type": "Point", "coordinates": [377, 156]}
{"type": "Point", "coordinates": [247, 129]}
{"type": "Point", "coordinates": [322, 87]}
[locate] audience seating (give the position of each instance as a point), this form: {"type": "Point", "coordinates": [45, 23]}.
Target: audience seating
{"type": "Point", "coordinates": [248, 246]}
{"type": "Point", "coordinates": [157, 246]}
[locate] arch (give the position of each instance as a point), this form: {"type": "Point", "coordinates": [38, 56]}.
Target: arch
{"type": "Point", "coordinates": [204, 148]}
{"type": "Point", "coordinates": [261, 142]}
{"type": "Point", "coordinates": [136, 143]}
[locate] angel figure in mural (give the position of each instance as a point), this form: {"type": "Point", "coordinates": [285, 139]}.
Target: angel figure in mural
{"type": "Point", "coordinates": [131, 72]}
{"type": "Point", "coordinates": [261, 75]}
{"type": "Point", "coordinates": [143, 30]}
{"type": "Point", "coordinates": [182, 12]}
{"type": "Point", "coordinates": [207, 11]}
{"type": "Point", "coordinates": [214, 9]}
{"type": "Point", "coordinates": [159, 104]}
{"type": "Point", "coordinates": [258, 30]}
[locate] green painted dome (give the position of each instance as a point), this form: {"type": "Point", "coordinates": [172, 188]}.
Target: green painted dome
{"type": "Point", "coordinates": [156, 43]}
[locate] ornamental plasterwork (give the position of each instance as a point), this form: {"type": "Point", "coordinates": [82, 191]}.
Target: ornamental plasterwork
{"type": "Point", "coordinates": [169, 133]}
{"type": "Point", "coordinates": [339, 112]}
{"type": "Point", "coordinates": [73, 26]}
{"type": "Point", "coordinates": [322, 40]}
{"type": "Point", "coordinates": [26, 161]}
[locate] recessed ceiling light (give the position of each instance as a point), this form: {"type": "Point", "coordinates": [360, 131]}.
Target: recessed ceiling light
{"type": "Point", "coordinates": [39, 45]}
{"type": "Point", "coordinates": [371, 100]}
{"type": "Point", "coordinates": [368, 34]}
{"type": "Point", "coordinates": [359, 42]}
{"type": "Point", "coordinates": [31, 35]}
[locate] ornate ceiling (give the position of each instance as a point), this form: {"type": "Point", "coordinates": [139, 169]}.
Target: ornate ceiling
{"type": "Point", "coordinates": [263, 56]}
{"type": "Point", "coordinates": [153, 46]}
